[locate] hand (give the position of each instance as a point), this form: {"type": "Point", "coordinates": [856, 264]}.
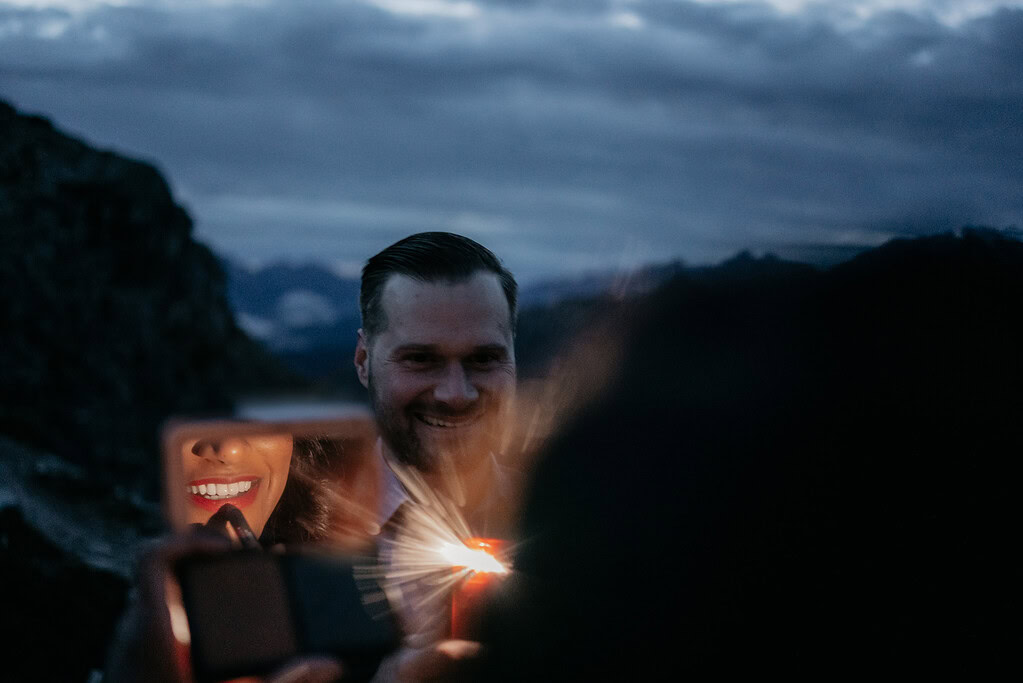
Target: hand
{"type": "Point", "coordinates": [306, 670]}
{"type": "Point", "coordinates": [146, 648]}
{"type": "Point", "coordinates": [447, 660]}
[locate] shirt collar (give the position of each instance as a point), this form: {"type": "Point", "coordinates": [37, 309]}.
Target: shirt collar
{"type": "Point", "coordinates": [394, 494]}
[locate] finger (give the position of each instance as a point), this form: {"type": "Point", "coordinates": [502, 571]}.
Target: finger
{"type": "Point", "coordinates": [458, 649]}
{"type": "Point", "coordinates": [446, 659]}
{"type": "Point", "coordinates": [309, 670]}
{"type": "Point", "coordinates": [160, 615]}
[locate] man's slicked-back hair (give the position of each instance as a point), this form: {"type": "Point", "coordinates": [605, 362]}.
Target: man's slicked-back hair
{"type": "Point", "coordinates": [429, 257]}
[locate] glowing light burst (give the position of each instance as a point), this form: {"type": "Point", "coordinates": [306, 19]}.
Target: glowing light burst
{"type": "Point", "coordinates": [470, 558]}
{"type": "Point", "coordinates": [424, 558]}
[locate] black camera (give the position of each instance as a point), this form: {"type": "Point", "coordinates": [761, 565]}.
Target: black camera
{"type": "Point", "coordinates": [251, 611]}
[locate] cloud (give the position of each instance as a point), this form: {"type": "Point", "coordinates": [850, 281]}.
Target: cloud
{"type": "Point", "coordinates": [555, 132]}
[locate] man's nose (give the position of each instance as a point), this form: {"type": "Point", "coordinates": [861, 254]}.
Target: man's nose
{"type": "Point", "coordinates": [455, 388]}
{"type": "Point", "coordinates": [223, 450]}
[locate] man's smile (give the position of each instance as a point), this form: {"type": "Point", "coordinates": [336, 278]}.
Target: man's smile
{"type": "Point", "coordinates": [447, 421]}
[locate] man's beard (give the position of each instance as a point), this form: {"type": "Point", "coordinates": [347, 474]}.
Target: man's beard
{"type": "Point", "coordinates": [399, 434]}
{"type": "Point", "coordinates": [398, 428]}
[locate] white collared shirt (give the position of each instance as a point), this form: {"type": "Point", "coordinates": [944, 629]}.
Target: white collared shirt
{"type": "Point", "coordinates": [417, 582]}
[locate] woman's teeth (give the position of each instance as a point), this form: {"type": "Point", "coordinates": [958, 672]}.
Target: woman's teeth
{"type": "Point", "coordinates": [218, 491]}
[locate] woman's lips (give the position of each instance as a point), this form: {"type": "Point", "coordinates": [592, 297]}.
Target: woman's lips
{"type": "Point", "coordinates": [212, 492]}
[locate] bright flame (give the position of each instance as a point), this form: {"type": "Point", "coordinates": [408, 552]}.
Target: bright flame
{"type": "Point", "coordinates": [460, 555]}
{"type": "Point", "coordinates": [428, 556]}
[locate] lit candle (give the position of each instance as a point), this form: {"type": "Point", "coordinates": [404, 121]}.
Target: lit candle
{"type": "Point", "coordinates": [478, 560]}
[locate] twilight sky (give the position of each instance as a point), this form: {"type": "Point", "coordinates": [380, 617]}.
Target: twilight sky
{"type": "Point", "coordinates": [565, 134]}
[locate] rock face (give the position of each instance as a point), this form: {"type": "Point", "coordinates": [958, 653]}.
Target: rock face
{"type": "Point", "coordinates": [115, 316]}
{"type": "Point", "coordinates": [114, 319]}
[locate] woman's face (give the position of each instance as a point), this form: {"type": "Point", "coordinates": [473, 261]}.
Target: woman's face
{"type": "Point", "coordinates": [247, 471]}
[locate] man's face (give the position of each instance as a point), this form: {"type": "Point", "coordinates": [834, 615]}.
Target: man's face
{"type": "Point", "coordinates": [441, 374]}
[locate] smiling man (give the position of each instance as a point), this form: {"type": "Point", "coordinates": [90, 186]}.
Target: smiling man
{"type": "Point", "coordinates": [436, 353]}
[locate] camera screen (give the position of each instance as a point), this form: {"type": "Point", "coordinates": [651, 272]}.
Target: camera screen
{"type": "Point", "coordinates": [330, 611]}
{"type": "Point", "coordinates": [238, 614]}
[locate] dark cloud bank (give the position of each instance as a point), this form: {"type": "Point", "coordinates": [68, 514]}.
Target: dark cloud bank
{"type": "Point", "coordinates": [565, 135]}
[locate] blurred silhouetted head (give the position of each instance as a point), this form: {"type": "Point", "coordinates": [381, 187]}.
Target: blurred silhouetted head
{"type": "Point", "coordinates": [803, 475]}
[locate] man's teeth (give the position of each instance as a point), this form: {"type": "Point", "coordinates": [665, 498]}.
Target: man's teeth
{"type": "Point", "coordinates": [436, 422]}
{"type": "Point", "coordinates": [218, 491]}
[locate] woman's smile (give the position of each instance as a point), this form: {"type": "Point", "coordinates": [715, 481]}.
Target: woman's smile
{"type": "Point", "coordinates": [248, 471]}
{"type": "Point", "coordinates": [212, 492]}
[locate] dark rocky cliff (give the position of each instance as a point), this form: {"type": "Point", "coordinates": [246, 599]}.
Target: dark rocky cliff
{"type": "Point", "coordinates": [115, 317]}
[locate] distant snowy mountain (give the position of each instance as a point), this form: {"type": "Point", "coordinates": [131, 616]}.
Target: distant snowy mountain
{"type": "Point", "coordinates": [296, 308]}
{"type": "Point", "coordinates": [308, 316]}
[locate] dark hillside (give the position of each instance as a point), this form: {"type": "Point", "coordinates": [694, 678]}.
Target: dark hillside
{"type": "Point", "coordinates": [114, 316]}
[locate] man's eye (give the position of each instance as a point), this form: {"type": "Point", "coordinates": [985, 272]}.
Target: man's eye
{"type": "Point", "coordinates": [418, 358]}
{"type": "Point", "coordinates": [484, 359]}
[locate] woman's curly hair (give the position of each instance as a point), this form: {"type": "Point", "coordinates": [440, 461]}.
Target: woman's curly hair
{"type": "Point", "coordinates": [305, 509]}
